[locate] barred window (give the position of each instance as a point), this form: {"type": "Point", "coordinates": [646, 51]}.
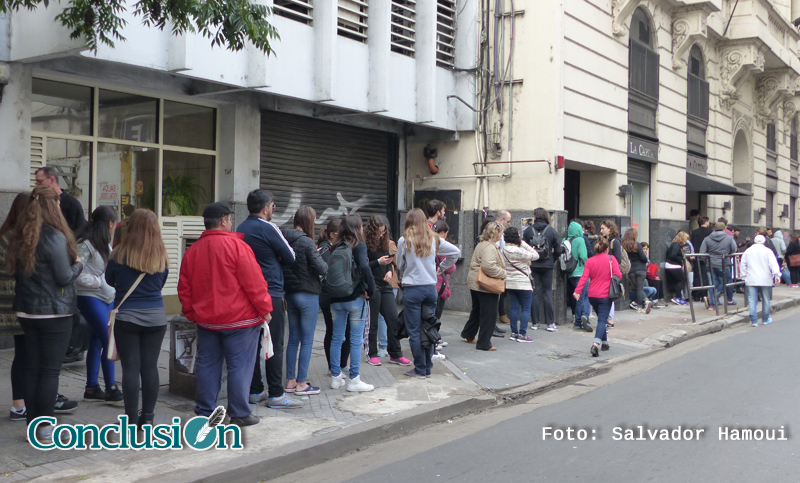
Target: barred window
{"type": "Point", "coordinates": [404, 23]}
{"type": "Point", "coordinates": [298, 10]}
{"type": "Point", "coordinates": [352, 20]}
{"type": "Point", "coordinates": [446, 33]}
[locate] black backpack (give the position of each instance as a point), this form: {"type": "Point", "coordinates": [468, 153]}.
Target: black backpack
{"type": "Point", "coordinates": [343, 275]}
{"type": "Point", "coordinates": [540, 243]}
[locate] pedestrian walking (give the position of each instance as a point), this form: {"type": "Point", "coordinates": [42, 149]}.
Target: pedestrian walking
{"type": "Point", "coordinates": [486, 260]}
{"type": "Point", "coordinates": [95, 301]}
{"type": "Point", "coordinates": [609, 230]}
{"type": "Point", "coordinates": [760, 272]}
{"type": "Point", "coordinates": [417, 250]}
{"type": "Point", "coordinates": [138, 266]}
{"type": "Point", "coordinates": [352, 258]}
{"type": "Point", "coordinates": [599, 269]}
{"type": "Point", "coordinates": [545, 240]}
{"type": "Point", "coordinates": [673, 267]}
{"type": "Point", "coordinates": [302, 285]}
{"type": "Point", "coordinates": [719, 246]}
{"type": "Point", "coordinates": [43, 259]}
{"type": "Point", "coordinates": [9, 324]}
{"type": "Point", "coordinates": [222, 289]}
{"type": "Point", "coordinates": [273, 253]}
{"type": "Point", "coordinates": [517, 257]}
{"type": "Point", "coordinates": [327, 240]}
{"type": "Point", "coordinates": [638, 274]}
{"type": "Point", "coordinates": [792, 255]}
{"type": "Point", "coordinates": [580, 308]}
{"type": "Point", "coordinates": [382, 302]}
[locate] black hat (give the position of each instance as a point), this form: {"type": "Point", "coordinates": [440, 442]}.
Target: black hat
{"type": "Point", "coordinates": [217, 210]}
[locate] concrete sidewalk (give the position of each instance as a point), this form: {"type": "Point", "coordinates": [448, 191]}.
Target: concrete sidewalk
{"type": "Point", "coordinates": [336, 421]}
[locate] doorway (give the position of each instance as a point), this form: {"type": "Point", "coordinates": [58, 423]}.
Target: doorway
{"type": "Point", "coordinates": [572, 192]}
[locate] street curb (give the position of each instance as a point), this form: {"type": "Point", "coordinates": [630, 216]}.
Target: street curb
{"type": "Point", "coordinates": [310, 452]}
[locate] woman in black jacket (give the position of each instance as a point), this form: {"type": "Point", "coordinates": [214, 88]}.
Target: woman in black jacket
{"type": "Point", "coordinates": [382, 302]}
{"type": "Point", "coordinates": [673, 267]}
{"type": "Point", "coordinates": [793, 248]}
{"type": "Point", "coordinates": [547, 243]}
{"type": "Point", "coordinates": [327, 240]}
{"type": "Point", "coordinates": [43, 258]}
{"type": "Point", "coordinates": [638, 273]}
{"type": "Point", "coordinates": [302, 287]}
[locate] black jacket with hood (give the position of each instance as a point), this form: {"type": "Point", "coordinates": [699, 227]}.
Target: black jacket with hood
{"type": "Point", "coordinates": [50, 290]}
{"type": "Point", "coordinates": [553, 238]}
{"type": "Point", "coordinates": [303, 275]}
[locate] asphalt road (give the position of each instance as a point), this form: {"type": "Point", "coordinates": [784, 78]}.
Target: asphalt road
{"type": "Point", "coordinates": [746, 378]}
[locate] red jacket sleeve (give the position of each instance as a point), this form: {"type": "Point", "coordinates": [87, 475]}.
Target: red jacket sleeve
{"type": "Point", "coordinates": [185, 285]}
{"type": "Point", "coordinates": [252, 280]}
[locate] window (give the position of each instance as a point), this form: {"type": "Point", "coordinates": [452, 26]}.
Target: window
{"type": "Point", "coordinates": [403, 26]}
{"type": "Point", "coordinates": [298, 10]}
{"type": "Point", "coordinates": [352, 21]}
{"type": "Point", "coordinates": [697, 103]}
{"type": "Point", "coordinates": [793, 141]}
{"type": "Point", "coordinates": [445, 33]}
{"type": "Point", "coordinates": [117, 160]}
{"type": "Point", "coordinates": [771, 138]}
{"type": "Point", "coordinates": [644, 61]}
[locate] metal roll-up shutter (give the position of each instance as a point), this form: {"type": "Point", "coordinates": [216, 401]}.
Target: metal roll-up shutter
{"type": "Point", "coordinates": [770, 203]}
{"type": "Point", "coordinates": [792, 213]}
{"type": "Point", "coordinates": [638, 171]}
{"type": "Point", "coordinates": [333, 167]}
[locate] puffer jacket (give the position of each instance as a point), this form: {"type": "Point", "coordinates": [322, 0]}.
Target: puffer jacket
{"type": "Point", "coordinates": [487, 257]}
{"type": "Point", "coordinates": [50, 290]}
{"type": "Point", "coordinates": [92, 281]}
{"type": "Point", "coordinates": [518, 266]}
{"type": "Point", "coordinates": [303, 275]}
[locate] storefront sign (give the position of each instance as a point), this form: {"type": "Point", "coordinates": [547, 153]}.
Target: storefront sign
{"type": "Point", "coordinates": [642, 150]}
{"type": "Point", "coordinates": [696, 164]}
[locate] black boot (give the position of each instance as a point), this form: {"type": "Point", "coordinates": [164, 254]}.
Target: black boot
{"type": "Point", "coordinates": [144, 418]}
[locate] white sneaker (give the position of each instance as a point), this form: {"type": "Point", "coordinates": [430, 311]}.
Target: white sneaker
{"type": "Point", "coordinates": [337, 381]}
{"type": "Point", "coordinates": [439, 356]}
{"type": "Point", "coordinates": [357, 385]}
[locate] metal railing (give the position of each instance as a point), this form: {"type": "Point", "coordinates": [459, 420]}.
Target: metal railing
{"type": "Point", "coordinates": [730, 277]}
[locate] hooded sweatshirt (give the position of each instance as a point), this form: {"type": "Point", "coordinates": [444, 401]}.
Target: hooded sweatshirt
{"type": "Point", "coordinates": [779, 243]}
{"type": "Point", "coordinates": [545, 262]}
{"type": "Point", "coordinates": [759, 267]}
{"type": "Point", "coordinates": [718, 244]}
{"type": "Point", "coordinates": [575, 236]}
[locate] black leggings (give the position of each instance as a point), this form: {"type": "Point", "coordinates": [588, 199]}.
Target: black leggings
{"type": "Point", "coordinates": [46, 342]}
{"type": "Point", "coordinates": [18, 369]}
{"type": "Point", "coordinates": [675, 281]}
{"type": "Point", "coordinates": [383, 303]}
{"type": "Point", "coordinates": [325, 306]}
{"type": "Point", "coordinates": [542, 292]}
{"type": "Point", "coordinates": [139, 348]}
{"type": "Point", "coordinates": [794, 273]}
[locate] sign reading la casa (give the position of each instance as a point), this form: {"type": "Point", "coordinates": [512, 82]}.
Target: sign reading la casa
{"type": "Point", "coordinates": [642, 149]}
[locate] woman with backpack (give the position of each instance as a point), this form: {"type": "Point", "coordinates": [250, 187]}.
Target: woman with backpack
{"type": "Point", "coordinates": [599, 269]}
{"type": "Point", "coordinates": [382, 301]}
{"type": "Point", "coordinates": [328, 237]}
{"type": "Point", "coordinates": [638, 273]}
{"type": "Point", "coordinates": [545, 240]}
{"type": "Point", "coordinates": [518, 256]}
{"type": "Point", "coordinates": [416, 256]}
{"type": "Point", "coordinates": [302, 288]}
{"type": "Point", "coordinates": [95, 299]}
{"type": "Point", "coordinates": [349, 257]}
{"type": "Point", "coordinates": [673, 267]}
{"type": "Point", "coordinates": [139, 263]}
{"type": "Point", "coordinates": [43, 258]}
{"type": "Point", "coordinates": [578, 251]}
{"type": "Point", "coordinates": [609, 230]}
{"type": "Point", "coordinates": [486, 260]}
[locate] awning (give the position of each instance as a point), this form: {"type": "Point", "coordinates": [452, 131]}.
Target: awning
{"type": "Point", "coordinates": [703, 184]}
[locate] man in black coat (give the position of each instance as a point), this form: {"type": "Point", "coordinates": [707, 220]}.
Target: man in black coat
{"type": "Point", "coordinates": [70, 207]}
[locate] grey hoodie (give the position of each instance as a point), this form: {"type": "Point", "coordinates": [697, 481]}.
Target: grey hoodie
{"type": "Point", "coordinates": [779, 243]}
{"type": "Point", "coordinates": [718, 244]}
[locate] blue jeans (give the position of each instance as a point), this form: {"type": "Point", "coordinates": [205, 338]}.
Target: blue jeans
{"type": "Point", "coordinates": [520, 309]}
{"type": "Point", "coordinates": [238, 347]}
{"type": "Point", "coordinates": [603, 308]}
{"type": "Point", "coordinates": [719, 284]}
{"type": "Point", "coordinates": [650, 294]}
{"type": "Point", "coordinates": [583, 306]}
{"type": "Point", "coordinates": [95, 311]}
{"type": "Point", "coordinates": [357, 309]}
{"type": "Point", "coordinates": [416, 299]}
{"type": "Point", "coordinates": [302, 311]}
{"type": "Point", "coordinates": [752, 302]}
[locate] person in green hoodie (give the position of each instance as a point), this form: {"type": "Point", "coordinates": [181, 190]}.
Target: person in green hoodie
{"type": "Point", "coordinates": [580, 316]}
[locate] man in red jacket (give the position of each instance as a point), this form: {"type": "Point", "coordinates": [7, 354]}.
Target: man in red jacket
{"type": "Point", "coordinates": [222, 290]}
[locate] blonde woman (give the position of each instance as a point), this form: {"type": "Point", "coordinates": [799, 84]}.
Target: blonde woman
{"type": "Point", "coordinates": [486, 257]}
{"type": "Point", "coordinates": [673, 267]}
{"type": "Point", "coordinates": [142, 320]}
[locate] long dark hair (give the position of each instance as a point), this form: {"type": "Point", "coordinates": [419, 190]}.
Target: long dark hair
{"type": "Point", "coordinates": [42, 210]}
{"type": "Point", "coordinates": [333, 227]}
{"type": "Point", "coordinates": [350, 230]}
{"type": "Point", "coordinates": [305, 218]}
{"type": "Point", "coordinates": [613, 231]}
{"type": "Point", "coordinates": [97, 231]}
{"type": "Point", "coordinates": [15, 212]}
{"type": "Point", "coordinates": [372, 234]}
{"type": "Point", "coordinates": [541, 214]}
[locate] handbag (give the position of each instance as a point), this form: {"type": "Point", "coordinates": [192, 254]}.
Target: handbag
{"type": "Point", "coordinates": [112, 353]}
{"type": "Point", "coordinates": [794, 260]}
{"type": "Point", "coordinates": [491, 284]}
{"type": "Point", "coordinates": [615, 290]}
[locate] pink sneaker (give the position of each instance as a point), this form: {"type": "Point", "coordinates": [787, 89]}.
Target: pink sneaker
{"type": "Point", "coordinates": [401, 361]}
{"type": "Point", "coordinates": [374, 361]}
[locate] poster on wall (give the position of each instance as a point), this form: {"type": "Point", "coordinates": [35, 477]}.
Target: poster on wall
{"type": "Point", "coordinates": [109, 195]}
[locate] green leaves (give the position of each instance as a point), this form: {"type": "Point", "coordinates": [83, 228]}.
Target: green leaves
{"type": "Point", "coordinates": [228, 23]}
